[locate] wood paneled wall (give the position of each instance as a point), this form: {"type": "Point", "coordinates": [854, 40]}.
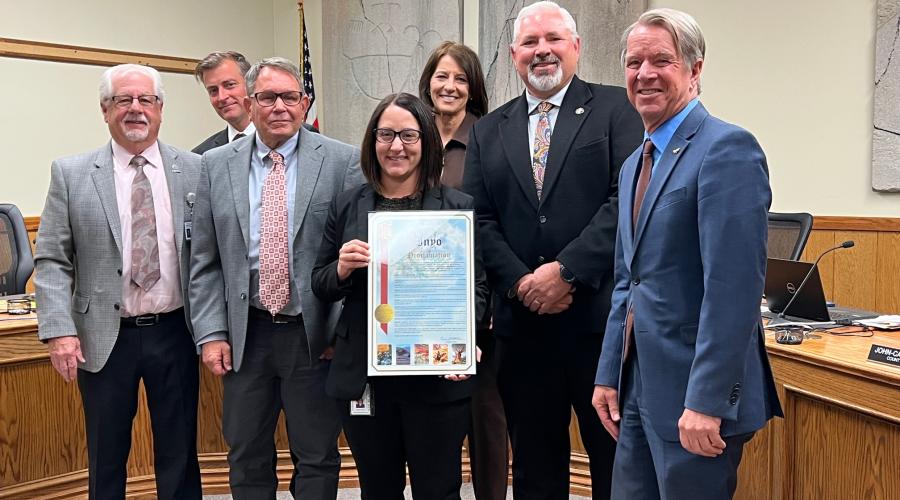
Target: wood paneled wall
{"type": "Point", "coordinates": [866, 276]}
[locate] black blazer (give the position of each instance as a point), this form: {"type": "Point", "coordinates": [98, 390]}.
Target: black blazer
{"type": "Point", "coordinates": [574, 222]}
{"type": "Point", "coordinates": [213, 141]}
{"type": "Point", "coordinates": [348, 220]}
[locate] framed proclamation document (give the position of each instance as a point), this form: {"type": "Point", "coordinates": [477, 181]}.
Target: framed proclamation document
{"type": "Point", "coordinates": [421, 293]}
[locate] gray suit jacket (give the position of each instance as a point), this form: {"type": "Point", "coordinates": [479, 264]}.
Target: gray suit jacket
{"type": "Point", "coordinates": [220, 270]}
{"type": "Point", "coordinates": [78, 259]}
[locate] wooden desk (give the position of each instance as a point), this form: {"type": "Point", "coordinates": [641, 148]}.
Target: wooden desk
{"type": "Point", "coordinates": [840, 438]}
{"type": "Point", "coordinates": [43, 451]}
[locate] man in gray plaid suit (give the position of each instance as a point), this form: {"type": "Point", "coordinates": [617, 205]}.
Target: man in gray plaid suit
{"type": "Point", "coordinates": [111, 280]}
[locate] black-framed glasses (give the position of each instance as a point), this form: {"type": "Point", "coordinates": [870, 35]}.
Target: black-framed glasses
{"type": "Point", "coordinates": [407, 135]}
{"type": "Point", "coordinates": [124, 101]}
{"type": "Point", "coordinates": [267, 99]}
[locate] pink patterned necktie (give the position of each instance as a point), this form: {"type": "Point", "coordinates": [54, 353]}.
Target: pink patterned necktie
{"type": "Point", "coordinates": [144, 245]}
{"type": "Point", "coordinates": [274, 274]}
{"type": "Point", "coordinates": [541, 147]}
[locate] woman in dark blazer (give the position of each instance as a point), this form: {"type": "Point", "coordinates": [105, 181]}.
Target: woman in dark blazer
{"type": "Point", "coordinates": [417, 421]}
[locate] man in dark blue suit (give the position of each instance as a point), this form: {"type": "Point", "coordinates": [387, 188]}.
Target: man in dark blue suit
{"type": "Point", "coordinates": [683, 380]}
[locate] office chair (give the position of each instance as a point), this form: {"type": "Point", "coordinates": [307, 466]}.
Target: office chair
{"type": "Point", "coordinates": [788, 234]}
{"type": "Point", "coordinates": [16, 261]}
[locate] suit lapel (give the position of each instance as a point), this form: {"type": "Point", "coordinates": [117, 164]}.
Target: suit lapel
{"type": "Point", "coordinates": [175, 181]}
{"type": "Point", "coordinates": [221, 138]}
{"type": "Point", "coordinates": [432, 200]}
{"type": "Point", "coordinates": [105, 183]}
{"type": "Point", "coordinates": [667, 162]}
{"type": "Point", "coordinates": [568, 123]}
{"type": "Point", "coordinates": [365, 205]}
{"type": "Point", "coordinates": [309, 164]}
{"type": "Point", "coordinates": [514, 138]}
{"type": "Point", "coordinates": [239, 172]}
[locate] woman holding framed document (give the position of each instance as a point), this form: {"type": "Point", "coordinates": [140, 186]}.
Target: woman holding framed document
{"type": "Point", "coordinates": [394, 421]}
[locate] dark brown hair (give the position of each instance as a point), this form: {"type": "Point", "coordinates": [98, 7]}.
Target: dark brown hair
{"type": "Point", "coordinates": [471, 66]}
{"type": "Point", "coordinates": [431, 162]}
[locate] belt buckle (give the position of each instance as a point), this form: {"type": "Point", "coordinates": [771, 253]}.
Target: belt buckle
{"type": "Point", "coordinates": [146, 320]}
{"type": "Point", "coordinates": [279, 319]}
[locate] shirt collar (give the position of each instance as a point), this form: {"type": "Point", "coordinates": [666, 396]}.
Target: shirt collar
{"type": "Point", "coordinates": [663, 134]}
{"type": "Point", "coordinates": [556, 99]}
{"type": "Point", "coordinates": [250, 130]}
{"type": "Point", "coordinates": [122, 158]}
{"type": "Point", "coordinates": [287, 149]}
{"type": "Point", "coordinates": [462, 132]}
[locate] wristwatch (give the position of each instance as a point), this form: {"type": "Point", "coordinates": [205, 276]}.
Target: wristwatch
{"type": "Point", "coordinates": [565, 274]}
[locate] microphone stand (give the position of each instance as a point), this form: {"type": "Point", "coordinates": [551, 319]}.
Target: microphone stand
{"type": "Point", "coordinates": [787, 338]}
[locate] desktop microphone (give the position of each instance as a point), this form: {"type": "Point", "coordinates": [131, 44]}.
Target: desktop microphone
{"type": "Point", "coordinates": [846, 244]}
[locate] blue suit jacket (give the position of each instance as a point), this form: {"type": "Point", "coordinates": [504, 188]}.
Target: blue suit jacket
{"type": "Point", "coordinates": [693, 269]}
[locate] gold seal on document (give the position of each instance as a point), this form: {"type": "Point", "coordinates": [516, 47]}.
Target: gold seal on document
{"type": "Point", "coordinates": [384, 313]}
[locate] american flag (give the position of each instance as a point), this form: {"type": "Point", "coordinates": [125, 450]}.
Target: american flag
{"type": "Point", "coordinates": [308, 88]}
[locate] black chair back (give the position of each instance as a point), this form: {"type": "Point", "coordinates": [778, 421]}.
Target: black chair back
{"type": "Point", "coordinates": [16, 261]}
{"type": "Point", "coordinates": [788, 234]}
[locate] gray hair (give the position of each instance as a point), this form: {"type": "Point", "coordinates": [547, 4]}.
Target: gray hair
{"type": "Point", "coordinates": [279, 63]}
{"type": "Point", "coordinates": [568, 20]}
{"type": "Point", "coordinates": [684, 30]}
{"type": "Point", "coordinates": [214, 59]}
{"type": "Point", "coordinates": [106, 81]}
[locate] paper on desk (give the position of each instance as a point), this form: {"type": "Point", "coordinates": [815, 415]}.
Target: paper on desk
{"type": "Point", "coordinates": [887, 322]}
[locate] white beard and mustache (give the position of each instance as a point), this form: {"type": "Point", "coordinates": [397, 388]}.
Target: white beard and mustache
{"type": "Point", "coordinates": [545, 82]}
{"type": "Point", "coordinates": [137, 135]}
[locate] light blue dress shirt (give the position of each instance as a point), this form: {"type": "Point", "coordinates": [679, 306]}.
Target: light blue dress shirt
{"type": "Point", "coordinates": [663, 134]}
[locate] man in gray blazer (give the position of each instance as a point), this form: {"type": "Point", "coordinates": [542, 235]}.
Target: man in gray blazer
{"type": "Point", "coordinates": [261, 207]}
{"type": "Point", "coordinates": [111, 279]}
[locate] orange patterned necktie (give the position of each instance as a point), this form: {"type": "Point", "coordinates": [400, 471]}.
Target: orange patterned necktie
{"type": "Point", "coordinates": [541, 147]}
{"type": "Point", "coordinates": [274, 274]}
{"type": "Point", "coordinates": [144, 245]}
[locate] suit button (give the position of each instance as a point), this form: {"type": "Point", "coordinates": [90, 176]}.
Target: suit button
{"type": "Point", "coordinates": [541, 259]}
{"type": "Point", "coordinates": [636, 281]}
{"type": "Point", "coordinates": [542, 219]}
{"type": "Point", "coordinates": [119, 272]}
{"type": "Point", "coordinates": [243, 296]}
{"type": "Point", "coordinates": [116, 306]}
{"type": "Point", "coordinates": [733, 400]}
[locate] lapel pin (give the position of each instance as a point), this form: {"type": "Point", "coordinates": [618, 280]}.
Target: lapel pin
{"type": "Point", "coordinates": [579, 111]}
{"type": "Point", "coordinates": [175, 169]}
{"type": "Point", "coordinates": [676, 151]}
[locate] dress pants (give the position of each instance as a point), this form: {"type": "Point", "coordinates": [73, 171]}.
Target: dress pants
{"type": "Point", "coordinates": [164, 357]}
{"type": "Point", "coordinates": [541, 379]}
{"type": "Point", "coordinates": [405, 431]}
{"type": "Point", "coordinates": [488, 441]}
{"type": "Point", "coordinates": [648, 467]}
{"type": "Point", "coordinates": [277, 374]}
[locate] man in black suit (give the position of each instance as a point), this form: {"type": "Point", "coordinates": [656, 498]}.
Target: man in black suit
{"type": "Point", "coordinates": [222, 75]}
{"type": "Point", "coordinates": [543, 169]}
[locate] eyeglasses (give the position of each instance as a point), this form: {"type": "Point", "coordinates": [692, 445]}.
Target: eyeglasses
{"type": "Point", "coordinates": [407, 135]}
{"type": "Point", "coordinates": [267, 99]}
{"type": "Point", "coordinates": [124, 101]}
